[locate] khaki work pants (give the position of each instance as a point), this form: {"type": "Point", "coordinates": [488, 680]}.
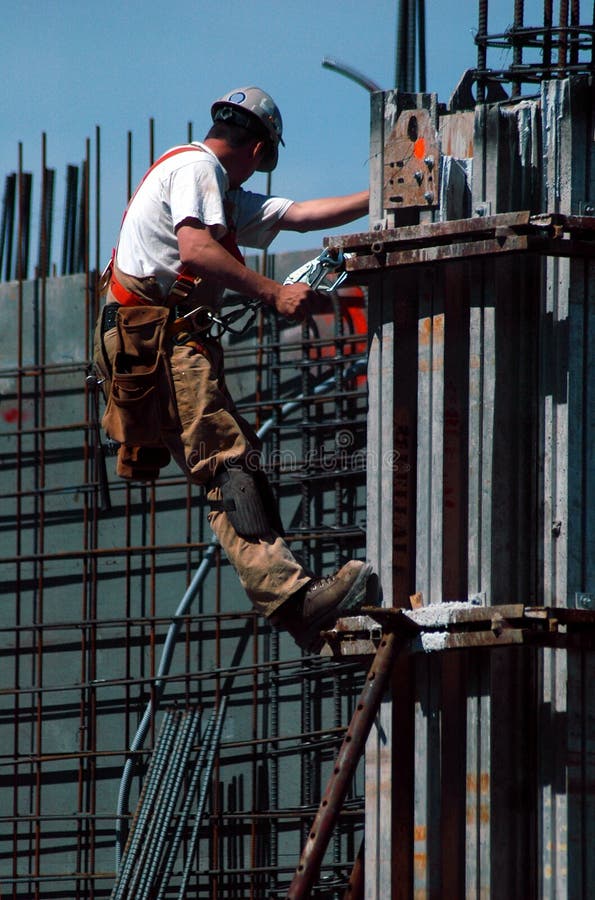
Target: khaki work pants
{"type": "Point", "coordinates": [212, 432]}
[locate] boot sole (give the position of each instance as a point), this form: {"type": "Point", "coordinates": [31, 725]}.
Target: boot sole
{"type": "Point", "coordinates": [353, 598]}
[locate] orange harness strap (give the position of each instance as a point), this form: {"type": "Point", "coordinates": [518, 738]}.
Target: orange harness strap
{"type": "Point", "coordinates": [186, 281]}
{"type": "Point", "coordinates": [124, 296]}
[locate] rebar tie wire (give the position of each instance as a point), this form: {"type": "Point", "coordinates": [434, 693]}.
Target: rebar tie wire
{"type": "Point", "coordinates": [324, 386]}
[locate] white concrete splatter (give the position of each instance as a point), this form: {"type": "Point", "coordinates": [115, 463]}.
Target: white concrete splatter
{"type": "Point", "coordinates": [438, 614]}
{"type": "Point", "coordinates": [433, 640]}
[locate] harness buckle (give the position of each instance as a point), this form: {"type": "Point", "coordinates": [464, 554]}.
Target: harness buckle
{"type": "Point", "coordinates": [183, 286]}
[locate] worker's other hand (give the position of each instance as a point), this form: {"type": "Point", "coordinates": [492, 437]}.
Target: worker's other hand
{"type": "Point", "coordinates": [295, 301]}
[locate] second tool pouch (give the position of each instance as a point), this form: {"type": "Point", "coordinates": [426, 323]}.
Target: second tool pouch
{"type": "Point", "coordinates": [141, 405]}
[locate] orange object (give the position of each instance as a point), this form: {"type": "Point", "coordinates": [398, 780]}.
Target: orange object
{"type": "Point", "coordinates": [124, 296]}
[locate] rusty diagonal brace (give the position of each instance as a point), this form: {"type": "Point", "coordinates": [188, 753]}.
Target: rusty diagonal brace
{"type": "Point", "coordinates": [345, 765]}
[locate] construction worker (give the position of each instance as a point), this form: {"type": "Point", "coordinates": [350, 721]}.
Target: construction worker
{"type": "Point", "coordinates": [178, 251]}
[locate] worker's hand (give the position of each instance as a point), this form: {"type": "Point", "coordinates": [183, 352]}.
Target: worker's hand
{"type": "Point", "coordinates": [295, 301]}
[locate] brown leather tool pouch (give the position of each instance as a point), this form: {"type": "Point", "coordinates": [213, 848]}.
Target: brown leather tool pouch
{"type": "Point", "coordinates": [141, 463]}
{"type": "Point", "coordinates": [141, 404]}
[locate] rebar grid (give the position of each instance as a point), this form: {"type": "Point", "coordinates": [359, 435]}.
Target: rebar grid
{"type": "Point", "coordinates": [91, 571]}
{"type": "Point", "coordinates": [558, 46]}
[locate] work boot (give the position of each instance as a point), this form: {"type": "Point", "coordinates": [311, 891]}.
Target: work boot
{"type": "Point", "coordinates": [322, 601]}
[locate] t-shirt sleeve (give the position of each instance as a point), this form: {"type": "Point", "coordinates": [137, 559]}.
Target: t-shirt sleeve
{"type": "Point", "coordinates": [257, 217]}
{"type": "Point", "coordinates": [196, 191]}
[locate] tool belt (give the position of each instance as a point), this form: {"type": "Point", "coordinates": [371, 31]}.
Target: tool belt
{"type": "Point", "coordinates": [141, 404]}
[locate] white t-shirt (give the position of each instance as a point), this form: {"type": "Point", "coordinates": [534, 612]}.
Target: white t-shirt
{"type": "Point", "coordinates": [190, 184]}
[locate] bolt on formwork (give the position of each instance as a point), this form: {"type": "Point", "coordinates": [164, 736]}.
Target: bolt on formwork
{"type": "Point", "coordinates": [94, 570]}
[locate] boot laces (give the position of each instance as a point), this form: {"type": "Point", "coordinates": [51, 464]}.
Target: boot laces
{"type": "Point", "coordinates": [323, 581]}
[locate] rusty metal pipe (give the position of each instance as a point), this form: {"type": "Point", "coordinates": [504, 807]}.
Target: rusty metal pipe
{"type": "Point", "coordinates": [547, 34]}
{"type": "Point", "coordinates": [355, 885]}
{"type": "Point", "coordinates": [347, 760]}
{"type": "Point", "coordinates": [563, 38]}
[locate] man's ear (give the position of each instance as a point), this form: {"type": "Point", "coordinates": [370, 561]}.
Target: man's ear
{"type": "Point", "coordinates": [258, 151]}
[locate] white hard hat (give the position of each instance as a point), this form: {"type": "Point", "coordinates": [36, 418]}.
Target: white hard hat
{"type": "Point", "coordinates": [244, 105]}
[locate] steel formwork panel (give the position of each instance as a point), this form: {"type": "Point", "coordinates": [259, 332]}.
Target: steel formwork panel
{"type": "Point", "coordinates": [503, 504]}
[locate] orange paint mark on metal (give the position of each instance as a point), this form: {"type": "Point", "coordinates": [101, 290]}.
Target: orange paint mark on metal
{"type": "Point", "coordinates": [419, 833]}
{"type": "Point", "coordinates": [484, 814]}
{"type": "Point", "coordinates": [423, 365]}
{"type": "Point", "coordinates": [424, 330]}
{"type": "Point", "coordinates": [419, 148]}
{"type": "Point", "coordinates": [420, 862]}
{"type": "Point", "coordinates": [484, 782]}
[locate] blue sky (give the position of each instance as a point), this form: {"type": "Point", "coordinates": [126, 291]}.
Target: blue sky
{"type": "Point", "coordinates": [71, 65]}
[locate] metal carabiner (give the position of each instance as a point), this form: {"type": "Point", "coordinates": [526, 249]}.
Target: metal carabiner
{"type": "Point", "coordinates": [316, 270]}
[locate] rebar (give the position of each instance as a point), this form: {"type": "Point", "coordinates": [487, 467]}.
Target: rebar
{"type": "Point", "coordinates": [163, 816]}
{"type": "Point", "coordinates": [158, 762]}
{"type": "Point", "coordinates": [185, 812]}
{"type": "Point", "coordinates": [159, 684]}
{"type": "Point", "coordinates": [205, 783]}
{"type": "Point", "coordinates": [572, 42]}
{"type": "Point", "coordinates": [54, 475]}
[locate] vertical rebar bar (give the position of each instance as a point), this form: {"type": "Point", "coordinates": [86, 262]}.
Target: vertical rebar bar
{"type": "Point", "coordinates": [45, 216]}
{"type": "Point", "coordinates": [151, 141]}
{"type": "Point", "coordinates": [164, 812]}
{"type": "Point", "coordinates": [68, 231]}
{"type": "Point", "coordinates": [421, 44]}
{"type": "Point", "coordinates": [563, 38]}
{"type": "Point", "coordinates": [574, 37]}
{"type": "Point", "coordinates": [185, 812]}
{"type": "Point", "coordinates": [128, 166]}
{"type": "Point", "coordinates": [98, 266]}
{"type": "Point", "coordinates": [81, 257]}
{"type": "Point", "coordinates": [24, 232]}
{"type": "Point", "coordinates": [205, 784]}
{"type": "Point", "coordinates": [517, 46]}
{"type": "Point", "coordinates": [274, 761]}
{"type": "Point", "coordinates": [7, 231]}
{"type": "Point", "coordinates": [406, 35]}
{"type": "Point", "coordinates": [482, 31]}
{"type": "Point", "coordinates": [157, 764]}
{"type": "Point", "coordinates": [547, 36]}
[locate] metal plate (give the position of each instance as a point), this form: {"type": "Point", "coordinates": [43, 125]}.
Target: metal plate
{"type": "Point", "coordinates": [411, 162]}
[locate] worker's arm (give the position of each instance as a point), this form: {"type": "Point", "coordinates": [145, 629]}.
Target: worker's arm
{"type": "Point", "coordinates": [326, 212]}
{"type": "Point", "coordinates": [203, 255]}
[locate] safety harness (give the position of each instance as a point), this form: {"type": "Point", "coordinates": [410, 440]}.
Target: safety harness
{"type": "Point", "coordinates": [203, 318]}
